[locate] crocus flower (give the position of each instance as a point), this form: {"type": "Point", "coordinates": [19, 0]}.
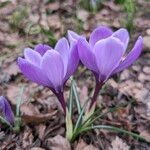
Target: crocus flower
{"type": "Point", "coordinates": [6, 110]}
{"type": "Point", "coordinates": [105, 53]}
{"type": "Point", "coordinates": [73, 37]}
{"type": "Point", "coordinates": [50, 67]}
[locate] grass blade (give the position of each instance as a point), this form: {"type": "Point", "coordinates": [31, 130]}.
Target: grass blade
{"type": "Point", "coordinates": [71, 98]}
{"type": "Point", "coordinates": [115, 129]}
{"type": "Point", "coordinates": [79, 120]}
{"type": "Point", "coordinates": [76, 96]}
{"type": "Point", "coordinates": [5, 121]}
{"type": "Point", "coordinates": [111, 110]}
{"type": "Point", "coordinates": [19, 101]}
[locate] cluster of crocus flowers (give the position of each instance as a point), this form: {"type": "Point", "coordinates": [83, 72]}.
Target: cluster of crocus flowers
{"type": "Point", "coordinates": [104, 54]}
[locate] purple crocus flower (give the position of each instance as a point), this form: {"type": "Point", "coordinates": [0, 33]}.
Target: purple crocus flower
{"type": "Point", "coordinates": [50, 67]}
{"type": "Point", "coordinates": [6, 110]}
{"type": "Point", "coordinates": [105, 55]}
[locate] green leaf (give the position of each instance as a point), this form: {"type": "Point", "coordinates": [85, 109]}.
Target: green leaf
{"type": "Point", "coordinates": [69, 126]}
{"type": "Point", "coordinates": [111, 110]}
{"type": "Point", "coordinates": [4, 4]}
{"type": "Point", "coordinates": [71, 98]}
{"type": "Point", "coordinates": [76, 96]}
{"type": "Point", "coordinates": [89, 121]}
{"type": "Point", "coordinates": [5, 121]}
{"type": "Point", "coordinates": [112, 128]}
{"type": "Point", "coordinates": [19, 101]}
{"type": "Point", "coordinates": [79, 120]}
{"type": "Point", "coordinates": [51, 38]}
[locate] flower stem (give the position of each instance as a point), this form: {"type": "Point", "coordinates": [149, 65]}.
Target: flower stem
{"type": "Point", "coordinates": [61, 99]}
{"type": "Point", "coordinates": [96, 92]}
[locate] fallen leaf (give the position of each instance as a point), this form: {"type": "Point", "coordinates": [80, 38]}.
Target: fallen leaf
{"type": "Point", "coordinates": [30, 114]}
{"type": "Point", "coordinates": [118, 144]}
{"type": "Point", "coordinates": [82, 15]}
{"type": "Point", "coordinates": [83, 146]}
{"type": "Point", "coordinates": [83, 93]}
{"type": "Point", "coordinates": [27, 137]}
{"type": "Point", "coordinates": [146, 40]}
{"type": "Point", "coordinates": [133, 89]}
{"type": "Point", "coordinates": [146, 70]}
{"type": "Point", "coordinates": [144, 131]}
{"type": "Point", "coordinates": [37, 148]}
{"type": "Point", "coordinates": [41, 131]}
{"type": "Point", "coordinates": [58, 143]}
{"type": "Point", "coordinates": [11, 69]}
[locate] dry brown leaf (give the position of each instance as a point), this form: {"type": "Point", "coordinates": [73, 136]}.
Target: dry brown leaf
{"type": "Point", "coordinates": [82, 15]}
{"type": "Point", "coordinates": [41, 130]}
{"type": "Point", "coordinates": [90, 147]}
{"type": "Point", "coordinates": [11, 69]}
{"type": "Point", "coordinates": [118, 144]}
{"type": "Point", "coordinates": [58, 143]}
{"type": "Point", "coordinates": [53, 6]}
{"type": "Point", "coordinates": [146, 70]}
{"type": "Point", "coordinates": [37, 148]}
{"type": "Point", "coordinates": [146, 135]}
{"type": "Point", "coordinates": [31, 114]}
{"type": "Point", "coordinates": [83, 146]}
{"type": "Point", "coordinates": [83, 95]}
{"type": "Point", "coordinates": [27, 137]}
{"type": "Point", "coordinates": [144, 132]}
{"type": "Point", "coordinates": [143, 77]}
{"type": "Point", "coordinates": [12, 93]}
{"type": "Point", "coordinates": [146, 40]}
{"type": "Point", "coordinates": [131, 88]}
{"type": "Point", "coordinates": [80, 145]}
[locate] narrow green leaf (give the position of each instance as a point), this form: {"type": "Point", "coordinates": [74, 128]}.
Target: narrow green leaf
{"type": "Point", "coordinates": [69, 126]}
{"type": "Point", "coordinates": [112, 128]}
{"type": "Point", "coordinates": [111, 110]}
{"type": "Point", "coordinates": [76, 96]}
{"type": "Point", "coordinates": [19, 101]}
{"type": "Point", "coordinates": [79, 120]}
{"type": "Point", "coordinates": [5, 121]}
{"type": "Point", "coordinates": [92, 116]}
{"type": "Point", "coordinates": [71, 98]}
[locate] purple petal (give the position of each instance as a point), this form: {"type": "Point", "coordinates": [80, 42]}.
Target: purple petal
{"type": "Point", "coordinates": [6, 110]}
{"type": "Point", "coordinates": [32, 56]}
{"type": "Point", "coordinates": [108, 53]}
{"type": "Point", "coordinates": [86, 55]}
{"type": "Point", "coordinates": [52, 65]}
{"type": "Point", "coordinates": [42, 48]}
{"type": "Point", "coordinates": [132, 56]}
{"type": "Point", "coordinates": [33, 72]}
{"type": "Point", "coordinates": [62, 47]}
{"type": "Point", "coordinates": [123, 35]}
{"type": "Point", "coordinates": [72, 36]}
{"type": "Point", "coordinates": [73, 61]}
{"type": "Point", "coordinates": [99, 33]}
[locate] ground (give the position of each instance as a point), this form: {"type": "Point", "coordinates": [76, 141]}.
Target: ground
{"type": "Point", "coordinates": [26, 23]}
